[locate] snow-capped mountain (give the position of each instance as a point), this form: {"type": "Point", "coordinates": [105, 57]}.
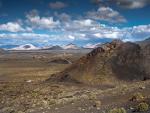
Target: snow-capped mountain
{"type": "Point", "coordinates": [26, 47]}
{"type": "Point", "coordinates": [71, 46]}
{"type": "Point", "coordinates": [92, 46]}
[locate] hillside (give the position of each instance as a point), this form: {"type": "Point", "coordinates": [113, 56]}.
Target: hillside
{"type": "Point", "coordinates": [109, 64]}
{"type": "Point", "coordinates": [53, 48]}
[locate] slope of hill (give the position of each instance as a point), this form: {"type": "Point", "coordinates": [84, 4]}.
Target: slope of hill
{"type": "Point", "coordinates": [144, 43]}
{"type": "Point", "coordinates": [109, 64]}
{"type": "Point", "coordinates": [145, 47]}
{"type": "Point", "coordinates": [53, 48]}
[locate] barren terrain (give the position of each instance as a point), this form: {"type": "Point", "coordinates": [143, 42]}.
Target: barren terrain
{"type": "Point", "coordinates": [23, 88]}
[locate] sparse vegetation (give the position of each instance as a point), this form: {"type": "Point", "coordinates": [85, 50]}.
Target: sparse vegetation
{"type": "Point", "coordinates": [97, 104]}
{"type": "Point", "coordinates": [142, 107]}
{"type": "Point", "coordinates": [24, 89]}
{"type": "Point", "coordinates": [137, 97]}
{"type": "Point", "coordinates": [118, 110]}
{"type": "Point", "coordinates": [92, 96]}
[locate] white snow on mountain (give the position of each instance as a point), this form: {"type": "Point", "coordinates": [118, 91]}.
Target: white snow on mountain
{"type": "Point", "coordinates": [92, 46]}
{"type": "Point", "coordinates": [26, 47]}
{"type": "Point", "coordinates": [71, 46]}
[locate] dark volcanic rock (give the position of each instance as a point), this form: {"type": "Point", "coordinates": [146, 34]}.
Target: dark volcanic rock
{"type": "Point", "coordinates": [127, 64]}
{"type": "Point", "coordinates": [109, 64]}
{"type": "Point", "coordinates": [145, 50]}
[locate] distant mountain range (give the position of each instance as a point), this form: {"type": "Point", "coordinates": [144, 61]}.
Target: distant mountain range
{"type": "Point", "coordinates": [70, 46]}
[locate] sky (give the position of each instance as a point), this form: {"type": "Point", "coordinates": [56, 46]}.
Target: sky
{"type": "Point", "coordinates": [82, 22]}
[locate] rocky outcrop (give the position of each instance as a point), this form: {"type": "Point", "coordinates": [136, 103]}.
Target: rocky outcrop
{"type": "Point", "coordinates": [127, 64]}
{"type": "Point", "coordinates": [109, 64]}
{"type": "Point", "coordinates": [60, 61]}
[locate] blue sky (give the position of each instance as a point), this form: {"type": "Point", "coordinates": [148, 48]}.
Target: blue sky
{"type": "Point", "coordinates": [83, 22]}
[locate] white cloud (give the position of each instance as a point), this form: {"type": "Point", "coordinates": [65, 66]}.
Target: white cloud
{"type": "Point", "coordinates": [57, 5]}
{"type": "Point", "coordinates": [71, 37]}
{"type": "Point", "coordinates": [78, 30]}
{"type": "Point", "coordinates": [135, 33]}
{"type": "Point", "coordinates": [128, 4]}
{"type": "Point", "coordinates": [89, 45]}
{"type": "Point", "coordinates": [66, 29]}
{"type": "Point", "coordinates": [35, 36]}
{"type": "Point", "coordinates": [42, 22]}
{"type": "Point", "coordinates": [131, 4]}
{"type": "Point", "coordinates": [109, 34]}
{"type": "Point", "coordinates": [80, 25]}
{"type": "Point", "coordinates": [11, 27]}
{"type": "Point", "coordinates": [106, 14]}
{"type": "Point", "coordinates": [63, 17]}
{"type": "Point", "coordinates": [87, 22]}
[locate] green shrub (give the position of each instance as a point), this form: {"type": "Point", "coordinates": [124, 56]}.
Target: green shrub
{"type": "Point", "coordinates": [142, 107]}
{"type": "Point", "coordinates": [118, 110]}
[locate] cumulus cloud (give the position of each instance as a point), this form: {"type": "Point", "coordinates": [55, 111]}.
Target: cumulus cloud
{"type": "Point", "coordinates": [71, 29]}
{"type": "Point", "coordinates": [11, 27]}
{"type": "Point", "coordinates": [109, 34]}
{"type": "Point", "coordinates": [63, 17]}
{"type": "Point", "coordinates": [57, 5]}
{"type": "Point", "coordinates": [106, 14]}
{"type": "Point", "coordinates": [80, 25]}
{"type": "Point", "coordinates": [135, 33]}
{"type": "Point", "coordinates": [79, 29]}
{"type": "Point", "coordinates": [131, 4]}
{"type": "Point", "coordinates": [128, 4]}
{"type": "Point", "coordinates": [41, 22]}
{"type": "Point", "coordinates": [37, 36]}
